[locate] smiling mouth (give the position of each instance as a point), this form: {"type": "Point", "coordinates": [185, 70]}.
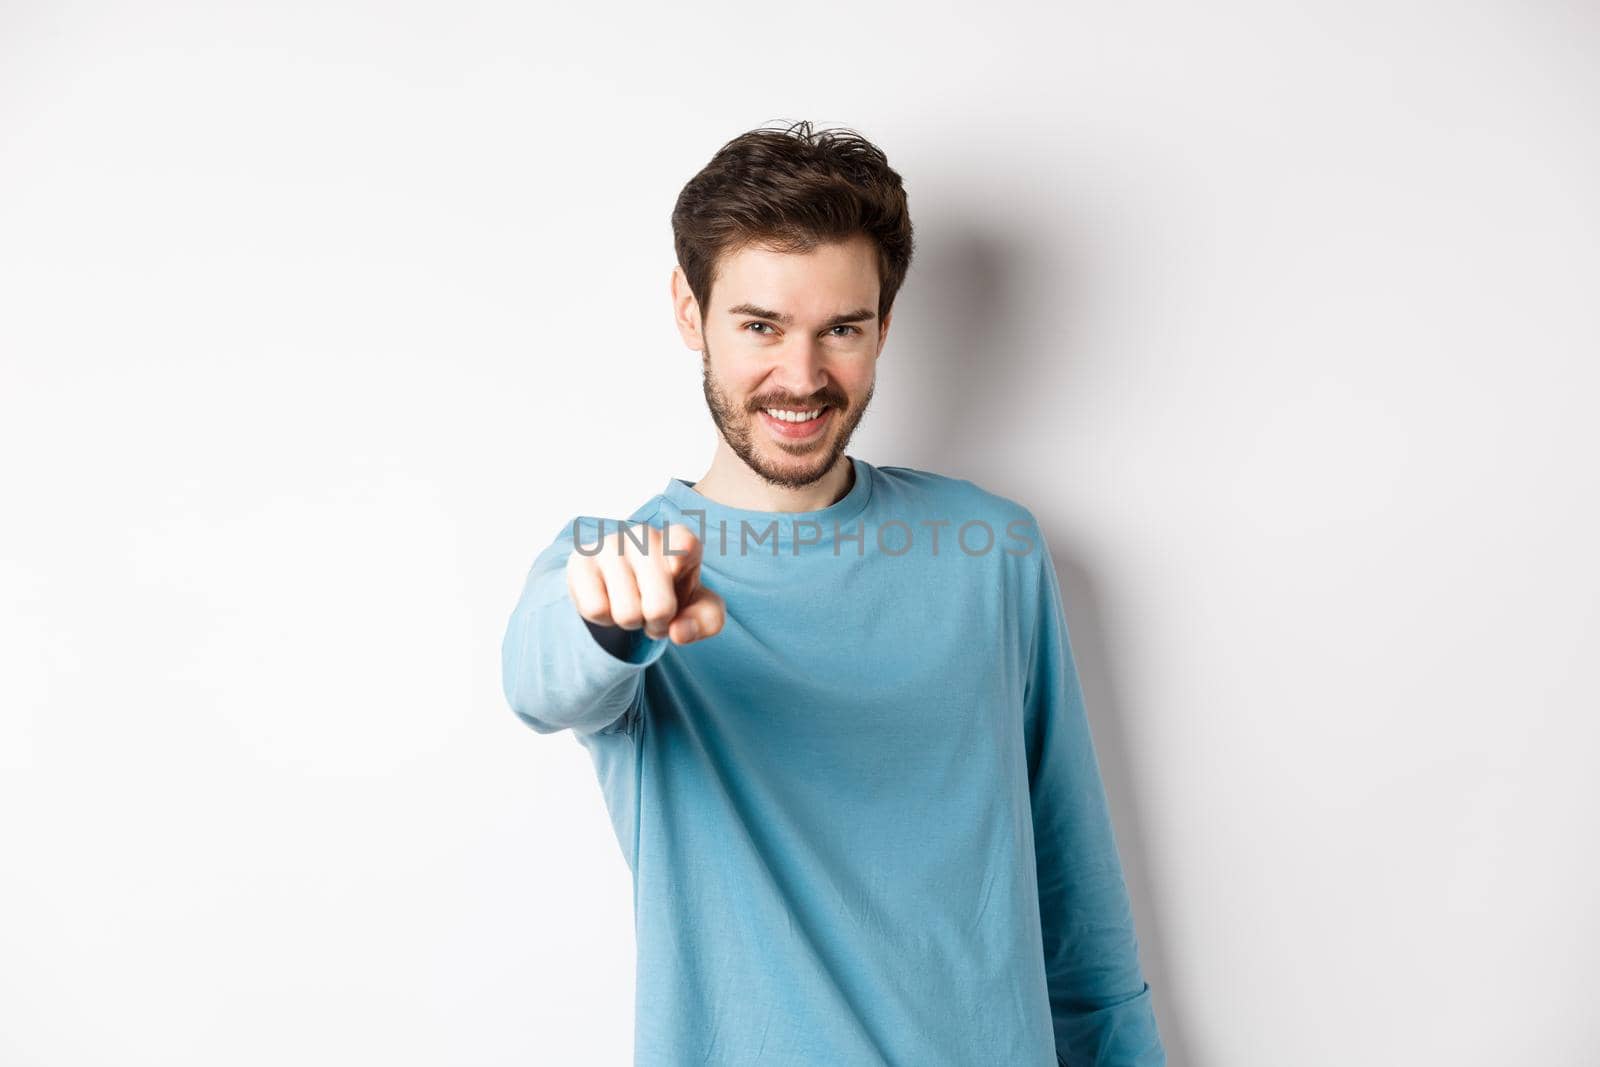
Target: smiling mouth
{"type": "Point", "coordinates": [795, 424]}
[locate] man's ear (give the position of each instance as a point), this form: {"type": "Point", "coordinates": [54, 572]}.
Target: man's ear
{"type": "Point", "coordinates": [883, 332]}
{"type": "Point", "coordinates": [686, 311]}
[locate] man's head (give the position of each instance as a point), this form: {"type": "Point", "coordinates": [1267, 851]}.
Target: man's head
{"type": "Point", "coordinates": [791, 247]}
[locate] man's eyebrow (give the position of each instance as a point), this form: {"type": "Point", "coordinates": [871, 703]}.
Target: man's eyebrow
{"type": "Point", "coordinates": [858, 315]}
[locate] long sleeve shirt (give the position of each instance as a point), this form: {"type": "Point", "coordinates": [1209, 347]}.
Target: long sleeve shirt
{"type": "Point", "coordinates": [865, 821]}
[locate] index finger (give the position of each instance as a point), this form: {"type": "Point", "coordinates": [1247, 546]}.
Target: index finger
{"type": "Point", "coordinates": [681, 548]}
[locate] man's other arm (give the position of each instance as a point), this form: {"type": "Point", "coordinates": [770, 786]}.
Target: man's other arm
{"type": "Point", "coordinates": [1099, 1000]}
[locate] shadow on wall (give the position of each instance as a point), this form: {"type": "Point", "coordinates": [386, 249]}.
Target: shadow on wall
{"type": "Point", "coordinates": [990, 334]}
{"type": "Point", "coordinates": [954, 379]}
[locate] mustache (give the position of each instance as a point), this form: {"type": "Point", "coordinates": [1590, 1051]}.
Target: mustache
{"type": "Point", "coordinates": [807, 404]}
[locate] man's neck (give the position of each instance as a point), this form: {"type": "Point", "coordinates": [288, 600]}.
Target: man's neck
{"type": "Point", "coordinates": [731, 483]}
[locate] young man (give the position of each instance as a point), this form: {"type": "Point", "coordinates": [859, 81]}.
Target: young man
{"type": "Point", "coordinates": [832, 706]}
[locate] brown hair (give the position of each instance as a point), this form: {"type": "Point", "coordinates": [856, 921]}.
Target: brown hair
{"type": "Point", "coordinates": [791, 190]}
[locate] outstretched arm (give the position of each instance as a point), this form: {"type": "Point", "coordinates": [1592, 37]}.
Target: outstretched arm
{"type": "Point", "coordinates": [560, 671]}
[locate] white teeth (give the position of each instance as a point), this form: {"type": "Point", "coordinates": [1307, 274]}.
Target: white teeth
{"type": "Point", "coordinates": [793, 416]}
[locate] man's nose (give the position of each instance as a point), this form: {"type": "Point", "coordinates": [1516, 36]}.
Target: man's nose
{"type": "Point", "coordinates": [802, 368]}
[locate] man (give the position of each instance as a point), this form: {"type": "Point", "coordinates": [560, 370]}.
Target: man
{"type": "Point", "coordinates": [837, 725]}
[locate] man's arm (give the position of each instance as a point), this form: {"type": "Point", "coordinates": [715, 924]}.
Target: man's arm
{"type": "Point", "coordinates": [559, 670]}
{"type": "Point", "coordinates": [1099, 999]}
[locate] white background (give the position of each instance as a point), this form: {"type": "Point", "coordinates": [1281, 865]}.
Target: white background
{"type": "Point", "coordinates": [318, 320]}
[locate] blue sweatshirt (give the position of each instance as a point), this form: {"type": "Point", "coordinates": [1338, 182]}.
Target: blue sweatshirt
{"type": "Point", "coordinates": [865, 821]}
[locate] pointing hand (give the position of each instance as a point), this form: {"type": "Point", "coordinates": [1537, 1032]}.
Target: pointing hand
{"type": "Point", "coordinates": [626, 586]}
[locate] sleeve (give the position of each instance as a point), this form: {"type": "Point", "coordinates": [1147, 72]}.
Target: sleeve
{"type": "Point", "coordinates": [560, 671]}
{"type": "Point", "coordinates": [1099, 1000]}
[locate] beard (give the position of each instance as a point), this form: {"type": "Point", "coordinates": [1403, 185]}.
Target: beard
{"type": "Point", "coordinates": [808, 463]}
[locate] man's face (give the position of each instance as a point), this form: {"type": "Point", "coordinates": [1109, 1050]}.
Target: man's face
{"type": "Point", "coordinates": [790, 331]}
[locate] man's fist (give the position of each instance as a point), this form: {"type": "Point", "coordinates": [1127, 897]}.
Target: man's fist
{"type": "Point", "coordinates": [628, 586]}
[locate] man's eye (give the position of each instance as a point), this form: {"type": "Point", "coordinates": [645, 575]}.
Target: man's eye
{"type": "Point", "coordinates": [757, 327]}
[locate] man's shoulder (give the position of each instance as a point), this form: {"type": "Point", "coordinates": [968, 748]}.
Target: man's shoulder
{"type": "Point", "coordinates": [958, 499]}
